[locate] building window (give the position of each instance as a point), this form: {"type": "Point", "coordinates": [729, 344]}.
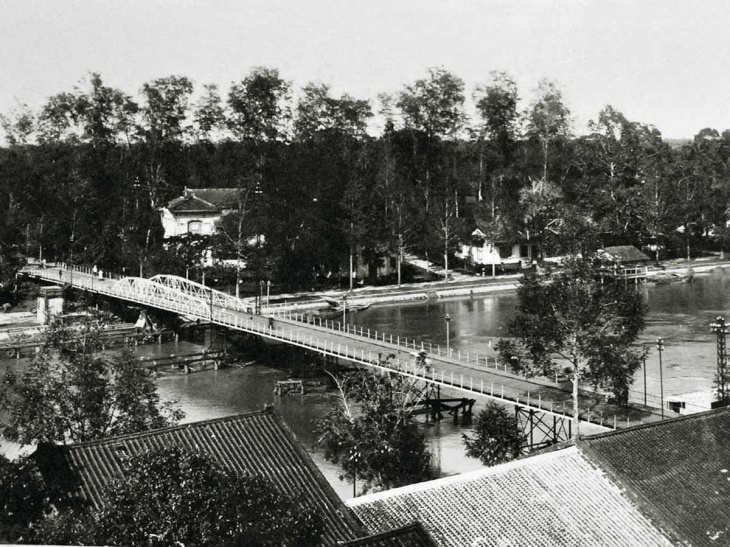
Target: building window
{"type": "Point", "coordinates": [505, 251]}
{"type": "Point", "coordinates": [195, 227]}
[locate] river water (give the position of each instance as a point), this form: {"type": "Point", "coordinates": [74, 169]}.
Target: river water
{"type": "Point", "coordinates": [679, 313]}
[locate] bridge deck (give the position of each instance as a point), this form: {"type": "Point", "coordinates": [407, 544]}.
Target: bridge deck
{"type": "Point", "coordinates": [474, 375]}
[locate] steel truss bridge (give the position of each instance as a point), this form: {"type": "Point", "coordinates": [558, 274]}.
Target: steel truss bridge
{"type": "Point", "coordinates": [473, 374]}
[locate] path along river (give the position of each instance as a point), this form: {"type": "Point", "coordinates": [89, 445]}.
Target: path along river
{"type": "Point", "coordinates": [679, 313]}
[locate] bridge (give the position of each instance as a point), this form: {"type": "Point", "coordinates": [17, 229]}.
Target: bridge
{"type": "Point", "coordinates": [472, 374]}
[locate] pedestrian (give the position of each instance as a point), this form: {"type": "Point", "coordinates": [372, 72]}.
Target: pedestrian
{"type": "Point", "coordinates": [60, 274]}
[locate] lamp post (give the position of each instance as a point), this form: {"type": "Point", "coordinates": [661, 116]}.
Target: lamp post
{"type": "Point", "coordinates": [448, 335]}
{"type": "Point", "coordinates": [344, 310]}
{"type": "Point", "coordinates": [268, 291]}
{"type": "Point", "coordinates": [660, 349]}
{"type": "Point", "coordinates": [261, 293]}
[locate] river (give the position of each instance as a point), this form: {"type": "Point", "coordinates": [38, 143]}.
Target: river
{"type": "Point", "coordinates": [679, 313]}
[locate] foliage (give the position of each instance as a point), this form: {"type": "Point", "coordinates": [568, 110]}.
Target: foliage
{"type": "Point", "coordinates": [24, 499]}
{"type": "Point", "coordinates": [85, 175]}
{"type": "Point", "coordinates": [579, 317]}
{"type": "Point", "coordinates": [174, 497]}
{"type": "Point", "coordinates": [497, 437]}
{"type": "Point", "coordinates": [74, 391]}
{"type": "Point", "coordinates": [371, 433]}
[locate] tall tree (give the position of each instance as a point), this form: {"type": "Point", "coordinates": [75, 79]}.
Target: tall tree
{"type": "Point", "coordinates": [577, 316]}
{"type": "Point", "coordinates": [548, 120]}
{"type": "Point", "coordinates": [260, 106]}
{"type": "Point", "coordinates": [434, 108]}
{"type": "Point", "coordinates": [72, 391]}
{"type": "Point", "coordinates": [371, 433]}
{"type": "Point", "coordinates": [497, 104]}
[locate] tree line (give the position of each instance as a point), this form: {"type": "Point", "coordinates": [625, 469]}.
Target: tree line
{"type": "Point", "coordinates": [85, 175]}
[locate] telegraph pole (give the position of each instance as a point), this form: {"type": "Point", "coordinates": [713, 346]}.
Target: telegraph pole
{"type": "Point", "coordinates": [722, 381]}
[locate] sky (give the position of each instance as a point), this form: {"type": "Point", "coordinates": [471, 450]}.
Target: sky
{"type": "Point", "coordinates": [659, 62]}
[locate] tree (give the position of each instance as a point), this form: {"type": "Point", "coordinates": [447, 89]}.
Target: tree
{"type": "Point", "coordinates": [371, 433]}
{"type": "Point", "coordinates": [497, 436]}
{"type": "Point", "coordinates": [172, 497]}
{"type": "Point", "coordinates": [23, 499]}
{"type": "Point", "coordinates": [209, 115]}
{"type": "Point", "coordinates": [581, 317]}
{"type": "Point", "coordinates": [259, 105]}
{"type": "Point", "coordinates": [548, 119]}
{"type": "Point", "coordinates": [73, 391]}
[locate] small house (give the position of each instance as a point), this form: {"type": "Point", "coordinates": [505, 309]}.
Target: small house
{"type": "Point", "coordinates": [503, 253]}
{"type": "Point", "coordinates": [198, 210]}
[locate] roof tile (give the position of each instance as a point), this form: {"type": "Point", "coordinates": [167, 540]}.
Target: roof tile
{"type": "Point", "coordinates": [259, 442]}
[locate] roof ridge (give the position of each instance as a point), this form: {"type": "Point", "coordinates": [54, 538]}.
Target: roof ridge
{"type": "Point", "coordinates": [266, 410]}
{"type": "Point", "coordinates": [461, 477]}
{"type": "Point", "coordinates": [618, 432]}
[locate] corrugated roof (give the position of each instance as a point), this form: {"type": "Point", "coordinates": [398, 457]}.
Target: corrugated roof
{"type": "Point", "coordinates": [626, 254]}
{"type": "Point", "coordinates": [553, 499]}
{"type": "Point", "coordinates": [259, 442]}
{"type": "Point", "coordinates": [680, 467]}
{"type": "Point", "coordinates": [413, 535]}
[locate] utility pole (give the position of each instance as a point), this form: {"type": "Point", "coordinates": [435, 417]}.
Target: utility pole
{"type": "Point", "coordinates": [660, 349]}
{"type": "Point", "coordinates": [722, 381]}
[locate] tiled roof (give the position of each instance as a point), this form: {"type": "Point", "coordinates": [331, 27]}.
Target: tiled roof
{"type": "Point", "coordinates": [680, 468]}
{"type": "Point", "coordinates": [413, 535]}
{"type": "Point", "coordinates": [259, 442]}
{"type": "Point", "coordinates": [553, 499]}
{"type": "Point", "coordinates": [195, 200]}
{"type": "Point", "coordinates": [191, 204]}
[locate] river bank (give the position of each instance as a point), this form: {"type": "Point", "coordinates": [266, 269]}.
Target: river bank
{"type": "Point", "coordinates": [682, 270]}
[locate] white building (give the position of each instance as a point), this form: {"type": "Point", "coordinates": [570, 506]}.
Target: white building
{"type": "Point", "coordinates": [198, 210]}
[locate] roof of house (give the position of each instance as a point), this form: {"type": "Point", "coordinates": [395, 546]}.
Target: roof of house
{"type": "Point", "coordinates": [258, 442]}
{"type": "Point", "coordinates": [679, 468]}
{"type": "Point", "coordinates": [626, 253]}
{"type": "Point", "coordinates": [552, 499]}
{"type": "Point", "coordinates": [205, 200]}
{"type": "Point", "coordinates": [413, 535]}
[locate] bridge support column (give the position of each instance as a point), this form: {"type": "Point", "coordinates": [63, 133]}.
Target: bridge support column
{"type": "Point", "coordinates": [50, 304]}
{"type": "Point", "coordinates": [541, 430]}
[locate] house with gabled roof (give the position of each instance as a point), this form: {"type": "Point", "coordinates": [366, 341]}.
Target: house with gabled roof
{"type": "Point", "coordinates": [664, 483]}
{"type": "Point", "coordinates": [258, 442]}
{"type": "Point", "coordinates": [198, 210]}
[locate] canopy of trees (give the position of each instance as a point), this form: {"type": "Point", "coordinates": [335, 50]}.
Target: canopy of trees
{"type": "Point", "coordinates": [172, 497]}
{"type": "Point", "coordinates": [74, 392]}
{"type": "Point", "coordinates": [84, 176]}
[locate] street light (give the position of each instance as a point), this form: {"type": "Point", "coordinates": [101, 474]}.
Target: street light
{"type": "Point", "coordinates": [261, 293]}
{"type": "Point", "coordinates": [448, 335]}
{"type": "Point", "coordinates": [720, 328]}
{"type": "Point", "coordinates": [660, 349]}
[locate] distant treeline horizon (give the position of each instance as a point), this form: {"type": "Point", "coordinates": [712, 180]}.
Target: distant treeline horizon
{"type": "Point", "coordinates": [85, 176]}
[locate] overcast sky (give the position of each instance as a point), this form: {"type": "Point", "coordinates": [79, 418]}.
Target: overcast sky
{"type": "Point", "coordinates": [661, 62]}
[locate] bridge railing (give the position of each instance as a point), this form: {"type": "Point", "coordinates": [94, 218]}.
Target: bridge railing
{"type": "Point", "coordinates": [359, 355]}
{"type": "Point", "coordinates": [470, 359]}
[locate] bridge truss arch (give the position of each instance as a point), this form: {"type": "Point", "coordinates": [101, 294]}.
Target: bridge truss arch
{"type": "Point", "coordinates": [196, 290]}
{"type": "Point", "coordinates": [147, 291]}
